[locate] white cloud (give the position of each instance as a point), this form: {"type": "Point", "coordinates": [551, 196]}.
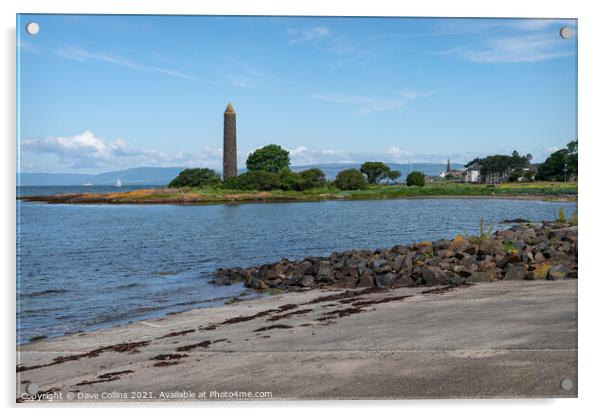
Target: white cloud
{"type": "Point", "coordinates": [516, 49]}
{"type": "Point", "coordinates": [369, 104]}
{"type": "Point", "coordinates": [509, 41]}
{"type": "Point", "coordinates": [302, 155]}
{"type": "Point", "coordinates": [85, 150]}
{"type": "Point", "coordinates": [308, 34]}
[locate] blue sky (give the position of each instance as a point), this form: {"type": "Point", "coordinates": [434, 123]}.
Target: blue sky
{"type": "Point", "coordinates": [99, 93]}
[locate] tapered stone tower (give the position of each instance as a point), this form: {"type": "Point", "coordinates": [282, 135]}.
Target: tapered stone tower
{"type": "Point", "coordinates": [229, 142]}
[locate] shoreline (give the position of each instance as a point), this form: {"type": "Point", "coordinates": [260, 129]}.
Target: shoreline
{"type": "Point", "coordinates": [81, 199]}
{"type": "Point", "coordinates": [295, 338]}
{"type": "Point", "coordinates": [517, 252]}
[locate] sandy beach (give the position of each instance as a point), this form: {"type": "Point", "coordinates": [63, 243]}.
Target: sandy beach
{"type": "Point", "coordinates": [502, 339]}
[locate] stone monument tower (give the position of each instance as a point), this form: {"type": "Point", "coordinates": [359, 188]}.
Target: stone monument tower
{"type": "Point", "coordinates": [229, 142]}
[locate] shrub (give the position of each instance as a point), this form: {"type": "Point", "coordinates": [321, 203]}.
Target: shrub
{"type": "Point", "coordinates": [314, 178]}
{"type": "Point", "coordinates": [196, 178]}
{"type": "Point", "coordinates": [257, 180]}
{"type": "Point", "coordinates": [375, 171]}
{"type": "Point", "coordinates": [415, 178]}
{"type": "Point", "coordinates": [292, 181]}
{"type": "Point", "coordinates": [561, 217]}
{"type": "Point", "coordinates": [350, 179]}
{"type": "Point", "coordinates": [270, 158]}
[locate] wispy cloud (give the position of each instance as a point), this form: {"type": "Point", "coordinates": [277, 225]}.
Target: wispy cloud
{"type": "Point", "coordinates": [516, 49]}
{"type": "Point", "coordinates": [344, 49]}
{"type": "Point", "coordinates": [83, 55]}
{"type": "Point", "coordinates": [308, 34]}
{"type": "Point", "coordinates": [509, 41]}
{"type": "Point", "coordinates": [368, 104]}
{"type": "Point", "coordinates": [488, 27]}
{"type": "Point", "coordinates": [245, 75]}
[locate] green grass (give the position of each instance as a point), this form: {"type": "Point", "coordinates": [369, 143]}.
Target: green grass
{"type": "Point", "coordinates": [537, 189]}
{"type": "Point", "coordinates": [544, 190]}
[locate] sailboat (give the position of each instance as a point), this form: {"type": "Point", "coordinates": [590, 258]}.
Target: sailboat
{"type": "Point", "coordinates": [118, 183]}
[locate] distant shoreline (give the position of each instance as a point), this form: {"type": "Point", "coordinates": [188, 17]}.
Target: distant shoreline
{"type": "Point", "coordinates": [544, 191]}
{"type": "Point", "coordinates": [40, 199]}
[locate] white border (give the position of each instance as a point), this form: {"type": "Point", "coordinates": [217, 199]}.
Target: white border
{"type": "Point", "coordinates": [590, 71]}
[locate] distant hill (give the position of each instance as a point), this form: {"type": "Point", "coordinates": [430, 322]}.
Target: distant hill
{"type": "Point", "coordinates": [162, 176]}
{"type": "Point", "coordinates": [134, 176]}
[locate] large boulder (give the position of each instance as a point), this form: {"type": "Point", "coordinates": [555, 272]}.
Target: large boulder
{"type": "Point", "coordinates": [491, 246]}
{"type": "Point", "coordinates": [539, 271]}
{"type": "Point", "coordinates": [385, 280]}
{"type": "Point", "coordinates": [324, 271]}
{"type": "Point", "coordinates": [377, 263]}
{"type": "Point", "coordinates": [565, 234]}
{"type": "Point", "coordinates": [366, 279]}
{"type": "Point", "coordinates": [484, 276]}
{"type": "Point", "coordinates": [510, 257]}
{"type": "Point", "coordinates": [458, 244]}
{"type": "Point", "coordinates": [432, 276]}
{"type": "Point", "coordinates": [440, 245]}
{"type": "Point", "coordinates": [557, 272]}
{"type": "Point", "coordinates": [515, 272]}
{"type": "Point", "coordinates": [257, 284]}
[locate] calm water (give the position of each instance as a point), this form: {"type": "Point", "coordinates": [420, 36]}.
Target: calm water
{"type": "Point", "coordinates": [97, 189]}
{"type": "Point", "coordinates": [83, 267]}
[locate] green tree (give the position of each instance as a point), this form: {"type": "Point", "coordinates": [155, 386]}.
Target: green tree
{"type": "Point", "coordinates": [259, 180]}
{"type": "Point", "coordinates": [415, 178]}
{"type": "Point", "coordinates": [314, 178]}
{"type": "Point", "coordinates": [572, 158]}
{"type": "Point", "coordinates": [270, 158]}
{"type": "Point", "coordinates": [350, 179]}
{"type": "Point", "coordinates": [292, 181]}
{"type": "Point", "coordinates": [553, 169]}
{"type": "Point", "coordinates": [393, 175]}
{"type": "Point", "coordinates": [196, 178]}
{"type": "Point", "coordinates": [513, 164]}
{"type": "Point", "coordinates": [375, 171]}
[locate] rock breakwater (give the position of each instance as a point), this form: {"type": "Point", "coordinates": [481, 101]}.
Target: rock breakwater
{"type": "Point", "coordinates": [522, 252]}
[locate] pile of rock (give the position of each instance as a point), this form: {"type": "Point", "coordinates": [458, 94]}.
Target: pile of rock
{"type": "Point", "coordinates": [523, 252]}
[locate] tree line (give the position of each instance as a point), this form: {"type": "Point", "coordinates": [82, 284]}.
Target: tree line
{"type": "Point", "coordinates": [268, 168]}
{"type": "Point", "coordinates": [559, 166]}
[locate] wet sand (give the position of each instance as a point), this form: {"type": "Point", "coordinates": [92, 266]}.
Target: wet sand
{"type": "Point", "coordinates": [503, 339]}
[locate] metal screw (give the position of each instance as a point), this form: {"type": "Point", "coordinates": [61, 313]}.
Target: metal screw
{"type": "Point", "coordinates": [32, 28]}
{"type": "Point", "coordinates": [566, 384]}
{"type": "Point", "coordinates": [566, 32]}
{"type": "Point", "coordinates": [32, 388]}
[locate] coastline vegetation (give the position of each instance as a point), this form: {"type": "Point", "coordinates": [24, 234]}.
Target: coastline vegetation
{"type": "Point", "coordinates": [213, 195]}
{"type": "Point", "coordinates": [269, 179]}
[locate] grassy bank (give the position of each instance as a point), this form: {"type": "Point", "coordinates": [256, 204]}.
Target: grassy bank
{"type": "Point", "coordinates": [540, 190]}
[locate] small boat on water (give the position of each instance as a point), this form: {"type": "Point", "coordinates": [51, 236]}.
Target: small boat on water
{"type": "Point", "coordinates": [87, 184]}
{"type": "Point", "coordinates": [118, 183]}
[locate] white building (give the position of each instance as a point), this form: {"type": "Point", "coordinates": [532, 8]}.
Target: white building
{"type": "Point", "coordinates": [471, 175]}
